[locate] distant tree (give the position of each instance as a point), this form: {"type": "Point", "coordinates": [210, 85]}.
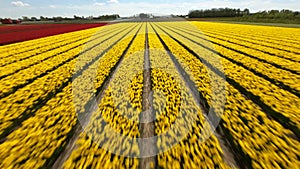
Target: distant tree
{"type": "Point", "coordinates": [33, 19]}
{"type": "Point", "coordinates": [246, 11]}
{"type": "Point", "coordinates": [282, 16]}
{"type": "Point", "coordinates": [286, 11]}
{"type": "Point", "coordinates": [273, 12]}
{"type": "Point", "coordinates": [107, 17]}
{"type": "Point", "coordinates": [42, 18]}
{"type": "Point", "coordinates": [66, 18]}
{"type": "Point", "coordinates": [77, 17]}
{"type": "Point", "coordinates": [57, 19]}
{"type": "Point", "coordinates": [25, 18]}
{"type": "Point", "coordinates": [217, 12]}
{"type": "Point", "coordinates": [143, 15]}
{"type": "Point", "coordinates": [177, 16]}
{"type": "Point", "coordinates": [238, 12]}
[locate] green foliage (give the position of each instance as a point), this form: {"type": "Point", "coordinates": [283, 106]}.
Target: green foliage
{"type": "Point", "coordinates": [271, 16]}
{"type": "Point", "coordinates": [107, 17]}
{"type": "Point", "coordinates": [218, 12]}
{"type": "Point", "coordinates": [274, 16]}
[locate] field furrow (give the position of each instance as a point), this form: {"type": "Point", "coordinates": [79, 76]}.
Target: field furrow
{"type": "Point", "coordinates": [182, 109]}
{"type": "Point", "coordinates": [287, 36]}
{"type": "Point", "coordinates": [278, 62]}
{"type": "Point", "coordinates": [246, 126]}
{"type": "Point", "coordinates": [281, 48]}
{"type": "Point", "coordinates": [47, 127]}
{"type": "Point", "coordinates": [270, 49]}
{"type": "Point", "coordinates": [18, 108]}
{"type": "Point", "coordinates": [280, 104]}
{"type": "Point", "coordinates": [101, 133]}
{"type": "Point", "coordinates": [24, 77]}
{"type": "Point", "coordinates": [40, 44]}
{"type": "Point", "coordinates": [282, 78]}
{"type": "Point", "coordinates": [25, 59]}
{"type": "Point", "coordinates": [150, 93]}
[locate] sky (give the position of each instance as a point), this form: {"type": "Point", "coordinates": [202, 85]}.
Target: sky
{"type": "Point", "coordinates": [69, 8]}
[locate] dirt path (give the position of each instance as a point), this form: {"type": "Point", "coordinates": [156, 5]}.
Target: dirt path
{"type": "Point", "coordinates": [147, 127]}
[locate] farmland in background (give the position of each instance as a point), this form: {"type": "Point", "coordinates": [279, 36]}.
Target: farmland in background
{"type": "Point", "coordinates": [63, 97]}
{"type": "Point", "coordinates": [18, 33]}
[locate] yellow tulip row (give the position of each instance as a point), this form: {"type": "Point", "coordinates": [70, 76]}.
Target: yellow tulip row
{"type": "Point", "coordinates": [113, 115]}
{"type": "Point", "coordinates": [84, 84]}
{"type": "Point", "coordinates": [91, 79]}
{"type": "Point", "coordinates": [41, 44]}
{"type": "Point", "coordinates": [263, 68]}
{"type": "Point", "coordinates": [16, 63]}
{"type": "Point", "coordinates": [43, 135]}
{"type": "Point", "coordinates": [38, 60]}
{"type": "Point", "coordinates": [277, 35]}
{"type": "Point", "coordinates": [281, 48]}
{"type": "Point", "coordinates": [22, 77]}
{"type": "Point", "coordinates": [44, 113]}
{"type": "Point", "coordinates": [280, 101]}
{"type": "Point", "coordinates": [275, 74]}
{"type": "Point", "coordinates": [102, 125]}
{"type": "Point", "coordinates": [291, 65]}
{"type": "Point", "coordinates": [135, 96]}
{"type": "Point", "coordinates": [22, 102]}
{"type": "Point", "coordinates": [264, 141]}
{"type": "Point", "coordinates": [40, 136]}
{"type": "Point", "coordinates": [282, 62]}
{"type": "Point", "coordinates": [172, 121]}
{"type": "Point", "coordinates": [284, 52]}
{"type": "Point", "coordinates": [195, 67]}
{"type": "Point", "coordinates": [127, 86]}
{"type": "Point", "coordinates": [28, 53]}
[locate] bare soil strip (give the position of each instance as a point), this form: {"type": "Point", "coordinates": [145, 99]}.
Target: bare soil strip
{"type": "Point", "coordinates": [229, 156]}
{"type": "Point", "coordinates": [71, 145]}
{"type": "Point", "coordinates": [147, 127]}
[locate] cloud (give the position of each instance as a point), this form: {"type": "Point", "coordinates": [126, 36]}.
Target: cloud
{"type": "Point", "coordinates": [19, 4]}
{"type": "Point", "coordinates": [52, 6]}
{"type": "Point", "coordinates": [129, 8]}
{"type": "Point", "coordinates": [98, 4]}
{"type": "Point", "coordinates": [113, 1]}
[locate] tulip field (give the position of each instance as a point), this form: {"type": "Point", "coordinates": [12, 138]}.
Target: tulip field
{"type": "Point", "coordinates": [19, 33]}
{"type": "Point", "coordinates": [201, 94]}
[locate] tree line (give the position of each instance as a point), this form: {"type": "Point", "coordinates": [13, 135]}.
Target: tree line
{"type": "Point", "coordinates": [232, 12]}
{"type": "Point", "coordinates": [270, 16]}
{"type": "Point", "coordinates": [218, 12]}
{"type": "Point", "coordinates": [75, 17]}
{"type": "Point", "coordinates": [273, 14]}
